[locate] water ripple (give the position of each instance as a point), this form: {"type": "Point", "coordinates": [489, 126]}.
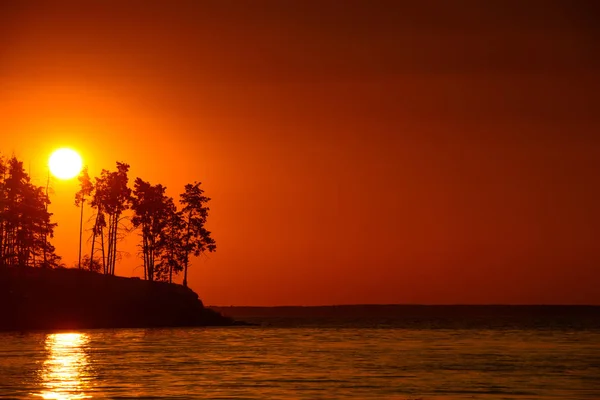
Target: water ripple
{"type": "Point", "coordinates": [256, 363]}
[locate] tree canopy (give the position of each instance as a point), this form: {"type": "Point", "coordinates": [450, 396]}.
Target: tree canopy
{"type": "Point", "coordinates": [25, 225]}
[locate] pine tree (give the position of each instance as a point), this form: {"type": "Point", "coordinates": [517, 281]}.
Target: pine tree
{"type": "Point", "coordinates": [25, 223]}
{"type": "Point", "coordinates": [196, 239]}
{"type": "Point", "coordinates": [172, 255]}
{"type": "Point", "coordinates": [85, 190]}
{"type": "Point", "coordinates": [154, 213]}
{"type": "Point", "coordinates": [111, 198]}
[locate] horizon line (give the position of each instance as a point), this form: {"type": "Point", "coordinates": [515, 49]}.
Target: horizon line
{"type": "Point", "coordinates": [415, 305]}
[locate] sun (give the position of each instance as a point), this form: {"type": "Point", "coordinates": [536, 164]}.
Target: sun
{"type": "Point", "coordinates": [65, 163]}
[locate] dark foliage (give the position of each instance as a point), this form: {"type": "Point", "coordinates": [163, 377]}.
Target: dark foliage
{"type": "Point", "coordinates": [196, 239]}
{"type": "Point", "coordinates": [25, 224]}
{"type": "Point", "coordinates": [169, 237]}
{"type": "Point", "coordinates": [111, 198]}
{"type": "Point", "coordinates": [157, 218]}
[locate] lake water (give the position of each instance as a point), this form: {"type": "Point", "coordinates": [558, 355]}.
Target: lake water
{"type": "Point", "coordinates": [303, 362]}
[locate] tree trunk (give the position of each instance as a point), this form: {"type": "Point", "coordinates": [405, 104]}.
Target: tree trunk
{"type": "Point", "coordinates": [187, 254]}
{"type": "Point", "coordinates": [80, 229]}
{"type": "Point", "coordinates": [170, 271]}
{"type": "Point", "coordinates": [109, 250]}
{"type": "Point", "coordinates": [185, 268]}
{"type": "Point", "coordinates": [151, 259]}
{"type": "Point", "coordinates": [115, 237]}
{"type": "Point", "coordinates": [46, 227]}
{"type": "Point", "coordinates": [145, 253]}
{"type": "Point", "coordinates": [93, 240]}
{"type": "Point", "coordinates": [104, 269]}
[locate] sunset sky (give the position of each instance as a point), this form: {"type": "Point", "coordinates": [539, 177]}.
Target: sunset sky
{"type": "Point", "coordinates": [355, 151]}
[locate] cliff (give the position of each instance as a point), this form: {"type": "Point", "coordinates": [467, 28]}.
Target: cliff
{"type": "Point", "coordinates": [36, 298]}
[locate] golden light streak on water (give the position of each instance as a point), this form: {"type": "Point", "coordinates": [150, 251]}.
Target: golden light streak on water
{"type": "Point", "coordinates": [65, 372]}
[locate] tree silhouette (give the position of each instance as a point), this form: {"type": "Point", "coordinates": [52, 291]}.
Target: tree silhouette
{"type": "Point", "coordinates": [85, 190]}
{"type": "Point", "coordinates": [153, 211]}
{"type": "Point", "coordinates": [24, 219]}
{"type": "Point", "coordinates": [111, 198]}
{"type": "Point", "coordinates": [168, 236]}
{"type": "Point", "coordinates": [195, 239]}
{"type": "Point", "coordinates": [172, 254]}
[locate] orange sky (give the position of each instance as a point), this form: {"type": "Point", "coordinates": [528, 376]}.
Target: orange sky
{"type": "Point", "coordinates": [375, 152]}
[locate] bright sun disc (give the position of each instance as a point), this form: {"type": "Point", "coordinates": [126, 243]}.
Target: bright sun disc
{"type": "Point", "coordinates": [65, 163]}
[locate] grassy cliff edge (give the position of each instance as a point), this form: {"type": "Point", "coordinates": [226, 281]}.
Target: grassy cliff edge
{"type": "Point", "coordinates": [37, 298]}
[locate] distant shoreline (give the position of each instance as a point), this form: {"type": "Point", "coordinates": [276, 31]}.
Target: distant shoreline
{"type": "Point", "coordinates": [423, 316]}
{"type": "Point", "coordinates": [408, 305]}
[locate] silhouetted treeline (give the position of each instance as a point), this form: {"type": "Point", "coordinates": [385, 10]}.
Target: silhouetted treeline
{"type": "Point", "coordinates": [169, 236]}
{"type": "Point", "coordinates": [25, 226]}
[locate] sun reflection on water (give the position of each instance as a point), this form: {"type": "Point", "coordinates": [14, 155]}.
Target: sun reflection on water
{"type": "Point", "coordinates": [65, 373]}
